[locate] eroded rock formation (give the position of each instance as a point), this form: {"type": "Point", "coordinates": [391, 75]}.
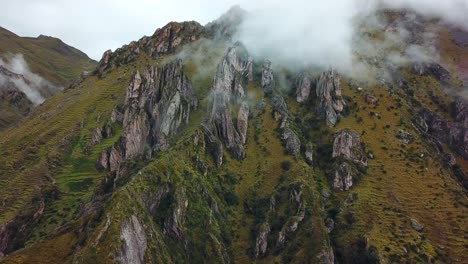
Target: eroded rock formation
{"type": "Point", "coordinates": [227, 94]}
{"type": "Point", "coordinates": [158, 103]}
{"type": "Point", "coordinates": [330, 102]}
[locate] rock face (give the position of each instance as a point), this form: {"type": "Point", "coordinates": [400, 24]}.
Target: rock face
{"type": "Point", "coordinates": [268, 80]}
{"type": "Point", "coordinates": [291, 141]}
{"type": "Point", "coordinates": [134, 238]}
{"type": "Point", "coordinates": [343, 179]}
{"type": "Point", "coordinates": [348, 153]}
{"type": "Point", "coordinates": [165, 40]}
{"type": "Point", "coordinates": [261, 243]}
{"type": "Point", "coordinates": [304, 85]}
{"type": "Point", "coordinates": [292, 197]}
{"type": "Point", "coordinates": [440, 131]}
{"type": "Point", "coordinates": [434, 69]}
{"type": "Point", "coordinates": [347, 144]}
{"type": "Point", "coordinates": [157, 105]}
{"type": "Point", "coordinates": [228, 93]}
{"type": "Point", "coordinates": [329, 100]}
{"type": "Point", "coordinates": [173, 225]}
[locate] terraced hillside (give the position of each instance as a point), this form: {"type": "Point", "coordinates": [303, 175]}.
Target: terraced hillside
{"type": "Point", "coordinates": [183, 148]}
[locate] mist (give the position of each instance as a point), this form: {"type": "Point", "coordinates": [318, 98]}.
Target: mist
{"type": "Point", "coordinates": [301, 33]}
{"type": "Point", "coordinates": [31, 84]}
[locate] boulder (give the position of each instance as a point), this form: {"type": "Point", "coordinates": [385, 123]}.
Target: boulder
{"type": "Point", "coordinates": [416, 225]}
{"type": "Point", "coordinates": [370, 99]}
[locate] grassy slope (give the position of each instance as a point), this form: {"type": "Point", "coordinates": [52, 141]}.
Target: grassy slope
{"type": "Point", "coordinates": [49, 57]}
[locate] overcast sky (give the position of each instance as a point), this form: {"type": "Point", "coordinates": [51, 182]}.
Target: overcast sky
{"type": "Point", "coordinates": [95, 26]}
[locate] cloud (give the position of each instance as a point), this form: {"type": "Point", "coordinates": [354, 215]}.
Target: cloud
{"type": "Point", "coordinates": [34, 86]}
{"type": "Point", "coordinates": [330, 33]}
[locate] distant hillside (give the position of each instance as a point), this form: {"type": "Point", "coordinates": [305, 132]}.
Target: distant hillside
{"type": "Point", "coordinates": [49, 57]}
{"type": "Point", "coordinates": [32, 69]}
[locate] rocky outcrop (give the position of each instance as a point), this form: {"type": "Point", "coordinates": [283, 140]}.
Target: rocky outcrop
{"type": "Point", "coordinates": [292, 198]}
{"type": "Point", "coordinates": [173, 224]}
{"type": "Point", "coordinates": [347, 145]}
{"type": "Point", "coordinates": [135, 243]}
{"type": "Point", "coordinates": [291, 141]}
{"type": "Point", "coordinates": [158, 103]}
{"type": "Point", "coordinates": [261, 243]}
{"type": "Point", "coordinates": [304, 86]}
{"type": "Point", "coordinates": [440, 131]}
{"type": "Point", "coordinates": [330, 102]}
{"type": "Point", "coordinates": [343, 178]}
{"type": "Point", "coordinates": [370, 99]}
{"type": "Point", "coordinates": [227, 94]}
{"type": "Point", "coordinates": [404, 137]}
{"type": "Point", "coordinates": [434, 69]}
{"type": "Point", "coordinates": [243, 121]}
{"type": "Point", "coordinates": [164, 41]}
{"type": "Point", "coordinates": [348, 153]}
{"type": "Point", "coordinates": [268, 80]}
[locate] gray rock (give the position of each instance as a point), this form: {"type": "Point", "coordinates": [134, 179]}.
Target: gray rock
{"type": "Point", "coordinates": [440, 131]}
{"type": "Point", "coordinates": [329, 99]}
{"type": "Point", "coordinates": [343, 178]}
{"type": "Point", "coordinates": [347, 144]}
{"type": "Point", "coordinates": [405, 137]}
{"type": "Point", "coordinates": [261, 242]}
{"type": "Point", "coordinates": [173, 224]}
{"type": "Point", "coordinates": [158, 103]}
{"type": "Point", "coordinates": [416, 225]}
{"type": "Point", "coordinates": [228, 92]}
{"type": "Point", "coordinates": [304, 85]}
{"type": "Point", "coordinates": [268, 80]}
{"type": "Point", "coordinates": [291, 141]}
{"type": "Point", "coordinates": [135, 242]}
{"type": "Point", "coordinates": [243, 121]}
{"type": "Point", "coordinates": [309, 154]}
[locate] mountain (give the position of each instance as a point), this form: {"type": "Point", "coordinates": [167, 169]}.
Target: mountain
{"type": "Point", "coordinates": [32, 69]}
{"type": "Point", "coordinates": [182, 147]}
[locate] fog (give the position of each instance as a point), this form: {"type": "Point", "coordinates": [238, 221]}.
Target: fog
{"type": "Point", "coordinates": [327, 33]}
{"type": "Point", "coordinates": [34, 86]}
